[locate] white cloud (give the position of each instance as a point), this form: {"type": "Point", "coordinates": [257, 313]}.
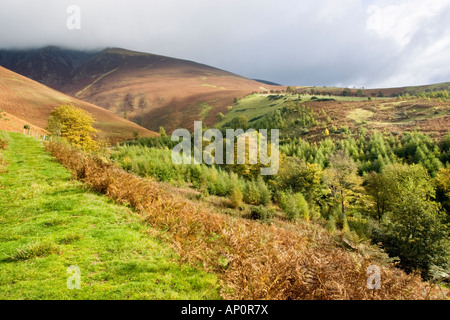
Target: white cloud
{"type": "Point", "coordinates": [368, 43]}
{"type": "Point", "coordinates": [402, 20]}
{"type": "Point", "coordinates": [420, 33]}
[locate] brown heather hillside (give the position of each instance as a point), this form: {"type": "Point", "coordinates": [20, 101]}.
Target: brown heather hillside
{"type": "Point", "coordinates": [161, 90]}
{"type": "Point", "coordinates": [388, 115]}
{"type": "Point", "coordinates": [24, 101]}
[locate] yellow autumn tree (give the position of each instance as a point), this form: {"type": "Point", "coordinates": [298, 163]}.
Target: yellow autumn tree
{"type": "Point", "coordinates": [74, 125]}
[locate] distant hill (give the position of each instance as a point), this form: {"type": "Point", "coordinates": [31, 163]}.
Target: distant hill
{"type": "Point", "coordinates": [268, 82]}
{"type": "Point", "coordinates": [24, 101]}
{"type": "Point", "coordinates": [149, 89]}
{"type": "Point", "coordinates": [376, 92]}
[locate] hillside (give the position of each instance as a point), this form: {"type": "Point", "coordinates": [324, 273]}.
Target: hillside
{"type": "Point", "coordinates": [337, 113]}
{"type": "Point", "coordinates": [153, 90]}
{"type": "Point", "coordinates": [49, 223]}
{"type": "Point", "coordinates": [149, 89]}
{"type": "Point", "coordinates": [24, 101]}
{"type": "Point", "coordinates": [372, 92]}
{"type": "Point", "coordinates": [253, 259]}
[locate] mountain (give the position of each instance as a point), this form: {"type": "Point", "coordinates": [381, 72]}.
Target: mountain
{"type": "Point", "coordinates": [151, 90]}
{"type": "Point", "coordinates": [51, 65]}
{"type": "Point", "coordinates": [24, 101]}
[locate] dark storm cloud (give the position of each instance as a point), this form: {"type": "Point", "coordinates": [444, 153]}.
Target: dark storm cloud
{"type": "Point", "coordinates": [326, 42]}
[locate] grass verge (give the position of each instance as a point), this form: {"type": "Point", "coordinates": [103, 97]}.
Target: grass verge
{"type": "Point", "coordinates": [49, 223]}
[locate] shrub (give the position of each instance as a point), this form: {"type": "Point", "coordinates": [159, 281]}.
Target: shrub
{"type": "Point", "coordinates": [251, 193]}
{"type": "Point", "coordinates": [162, 132]}
{"type": "Point", "coordinates": [236, 197]}
{"type": "Point", "coordinates": [294, 206]}
{"type": "Point", "coordinates": [360, 226]}
{"type": "Point", "coordinates": [265, 196]}
{"type": "Point", "coordinates": [235, 191]}
{"type": "Point", "coordinates": [261, 213]}
{"type": "Point", "coordinates": [345, 129]}
{"type": "Point", "coordinates": [217, 182]}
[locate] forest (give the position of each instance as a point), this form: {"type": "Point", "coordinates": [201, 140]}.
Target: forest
{"type": "Point", "coordinates": [391, 190]}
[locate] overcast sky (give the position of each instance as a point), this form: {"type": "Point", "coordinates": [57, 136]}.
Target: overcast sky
{"type": "Point", "coordinates": [362, 43]}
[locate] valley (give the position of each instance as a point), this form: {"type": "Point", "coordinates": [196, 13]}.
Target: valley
{"type": "Point", "coordinates": [363, 182]}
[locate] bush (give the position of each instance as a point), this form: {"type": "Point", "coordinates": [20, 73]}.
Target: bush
{"type": "Point", "coordinates": [415, 233]}
{"type": "Point", "coordinates": [262, 214]}
{"type": "Point", "coordinates": [257, 192]}
{"type": "Point", "coordinates": [360, 226]}
{"type": "Point", "coordinates": [294, 206]}
{"type": "Point", "coordinates": [251, 193]}
{"type": "Point", "coordinates": [236, 197]}
{"type": "Point", "coordinates": [218, 182]}
{"type": "Point", "coordinates": [265, 196]}
{"type": "Point", "coordinates": [235, 191]}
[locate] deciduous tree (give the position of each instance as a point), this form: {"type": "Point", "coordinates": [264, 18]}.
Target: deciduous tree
{"type": "Point", "coordinates": [73, 124]}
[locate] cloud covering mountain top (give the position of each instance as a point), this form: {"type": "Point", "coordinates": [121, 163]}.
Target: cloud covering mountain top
{"type": "Point", "coordinates": [358, 43]}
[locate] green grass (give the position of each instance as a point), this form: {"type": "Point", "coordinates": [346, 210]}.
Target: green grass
{"type": "Point", "coordinates": [205, 108]}
{"type": "Point", "coordinates": [360, 115]}
{"type": "Point", "coordinates": [49, 223]}
{"type": "Point", "coordinates": [252, 107]}
{"type": "Point", "coordinates": [213, 86]}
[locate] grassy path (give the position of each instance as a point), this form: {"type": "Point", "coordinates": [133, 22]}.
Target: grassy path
{"type": "Point", "coordinates": [48, 223]}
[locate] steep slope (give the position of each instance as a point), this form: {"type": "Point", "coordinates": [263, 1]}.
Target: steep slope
{"type": "Point", "coordinates": [51, 65]}
{"type": "Point", "coordinates": [150, 90]}
{"type": "Point", "coordinates": [31, 102]}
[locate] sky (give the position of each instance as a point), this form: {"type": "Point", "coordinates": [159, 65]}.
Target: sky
{"type": "Point", "coordinates": [346, 43]}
